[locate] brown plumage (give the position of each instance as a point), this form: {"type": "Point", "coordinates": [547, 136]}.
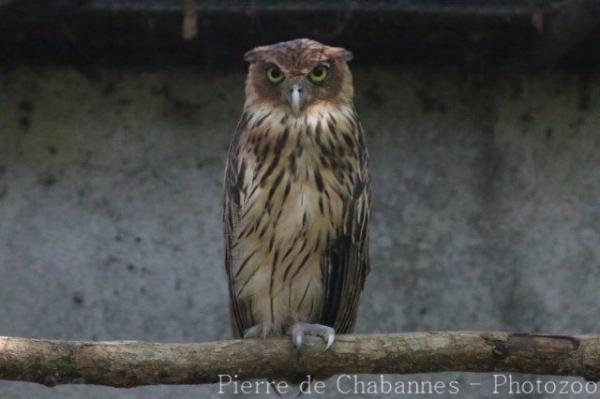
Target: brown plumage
{"type": "Point", "coordinates": [296, 206]}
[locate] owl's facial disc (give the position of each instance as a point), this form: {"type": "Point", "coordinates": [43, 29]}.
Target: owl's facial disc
{"type": "Point", "coordinates": [296, 92]}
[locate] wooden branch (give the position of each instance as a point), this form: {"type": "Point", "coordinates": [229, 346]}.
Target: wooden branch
{"type": "Point", "coordinates": [133, 363]}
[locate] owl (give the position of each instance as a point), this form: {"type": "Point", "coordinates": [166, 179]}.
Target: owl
{"type": "Point", "coordinates": [297, 196]}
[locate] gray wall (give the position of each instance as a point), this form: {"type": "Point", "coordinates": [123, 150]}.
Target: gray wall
{"type": "Point", "coordinates": [486, 211]}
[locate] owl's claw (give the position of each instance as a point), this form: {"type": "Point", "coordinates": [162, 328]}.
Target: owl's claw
{"type": "Point", "coordinates": [298, 330]}
{"type": "Point", "coordinates": [254, 332]}
{"type": "Point", "coordinates": [330, 339]}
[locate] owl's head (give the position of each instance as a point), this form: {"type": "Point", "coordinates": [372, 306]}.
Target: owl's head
{"type": "Point", "coordinates": [298, 74]}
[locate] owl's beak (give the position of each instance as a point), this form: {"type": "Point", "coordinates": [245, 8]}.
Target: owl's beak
{"type": "Point", "coordinates": [296, 96]}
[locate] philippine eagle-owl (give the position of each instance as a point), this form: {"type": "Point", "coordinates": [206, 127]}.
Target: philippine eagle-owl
{"type": "Point", "coordinates": [296, 206]}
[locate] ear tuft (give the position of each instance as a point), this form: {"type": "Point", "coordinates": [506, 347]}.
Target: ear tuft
{"type": "Point", "coordinates": [250, 56]}
{"type": "Point", "coordinates": [347, 55]}
{"type": "Point", "coordinates": [340, 53]}
{"type": "Point", "coordinates": [256, 54]}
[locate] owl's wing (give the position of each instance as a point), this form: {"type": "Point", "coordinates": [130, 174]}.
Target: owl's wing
{"type": "Point", "coordinates": [347, 261]}
{"type": "Point", "coordinates": [241, 317]}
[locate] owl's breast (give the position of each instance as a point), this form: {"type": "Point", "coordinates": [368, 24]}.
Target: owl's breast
{"type": "Point", "coordinates": [298, 198]}
{"type": "Point", "coordinates": [291, 209]}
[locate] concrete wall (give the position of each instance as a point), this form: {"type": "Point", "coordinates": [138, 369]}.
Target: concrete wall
{"type": "Point", "coordinates": [486, 212]}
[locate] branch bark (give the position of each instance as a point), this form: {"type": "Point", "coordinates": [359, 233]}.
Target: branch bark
{"type": "Point", "coordinates": [133, 363]}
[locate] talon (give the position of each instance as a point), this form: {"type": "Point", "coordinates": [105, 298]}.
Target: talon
{"type": "Point", "coordinates": [298, 341]}
{"type": "Point", "coordinates": [330, 341]}
{"type": "Point", "coordinates": [258, 331]}
{"type": "Point", "coordinates": [297, 331]}
{"type": "Point", "coordinates": [253, 332]}
{"type": "Point", "coordinates": [297, 334]}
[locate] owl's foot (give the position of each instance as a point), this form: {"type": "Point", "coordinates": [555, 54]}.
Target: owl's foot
{"type": "Point", "coordinates": [258, 331]}
{"type": "Point", "coordinates": [298, 330]}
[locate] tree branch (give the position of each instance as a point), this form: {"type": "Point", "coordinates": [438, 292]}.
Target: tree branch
{"type": "Point", "coordinates": [133, 363]}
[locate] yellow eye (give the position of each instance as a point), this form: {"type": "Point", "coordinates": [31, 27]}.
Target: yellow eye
{"type": "Point", "coordinates": [319, 74]}
{"type": "Point", "coordinates": [275, 75]}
